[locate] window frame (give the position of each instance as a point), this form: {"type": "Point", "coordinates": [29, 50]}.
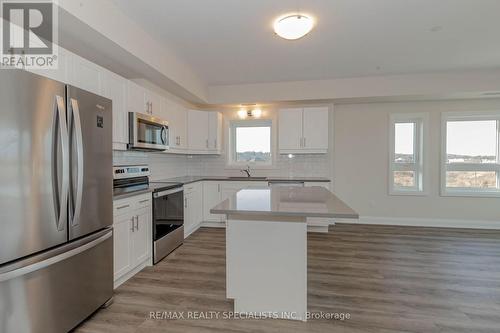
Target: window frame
{"type": "Point", "coordinates": [231, 158]}
{"type": "Point", "coordinates": [419, 167]}
{"type": "Point", "coordinates": [445, 167]}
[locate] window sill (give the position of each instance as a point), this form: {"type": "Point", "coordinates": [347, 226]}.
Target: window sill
{"type": "Point", "coordinates": [408, 193]}
{"type": "Point", "coordinates": [465, 193]}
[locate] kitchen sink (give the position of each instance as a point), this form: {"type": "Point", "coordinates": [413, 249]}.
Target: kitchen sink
{"type": "Point", "coordinates": [248, 178]}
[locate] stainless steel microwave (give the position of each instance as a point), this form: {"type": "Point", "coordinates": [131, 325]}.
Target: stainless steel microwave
{"type": "Point", "coordinates": [147, 132]}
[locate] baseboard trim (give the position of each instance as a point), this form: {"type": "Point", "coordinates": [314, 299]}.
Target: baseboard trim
{"type": "Point", "coordinates": [424, 222]}
{"type": "Point", "coordinates": [210, 224]}
{"type": "Point", "coordinates": [122, 279]}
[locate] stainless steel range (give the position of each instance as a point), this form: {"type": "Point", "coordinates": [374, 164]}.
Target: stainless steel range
{"type": "Point", "coordinates": [168, 218]}
{"type": "Point", "coordinates": [168, 206]}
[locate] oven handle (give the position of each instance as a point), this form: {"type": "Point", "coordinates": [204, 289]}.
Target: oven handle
{"type": "Point", "coordinates": [168, 192]}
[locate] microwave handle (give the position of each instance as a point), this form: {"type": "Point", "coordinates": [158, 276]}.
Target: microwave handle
{"type": "Point", "coordinates": [163, 135]}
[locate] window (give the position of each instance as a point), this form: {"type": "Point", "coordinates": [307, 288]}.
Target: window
{"type": "Point", "coordinates": [406, 162]}
{"type": "Point", "coordinates": [250, 142]}
{"type": "Point", "coordinates": [470, 161]}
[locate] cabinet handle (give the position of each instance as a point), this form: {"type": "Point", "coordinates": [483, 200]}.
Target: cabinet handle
{"type": "Point", "coordinates": [121, 207]}
{"type": "Point", "coordinates": [137, 222]}
{"type": "Point", "coordinates": [206, 143]}
{"type": "Point", "coordinates": [133, 225]}
{"type": "Point", "coordinates": [185, 203]}
{"type": "Point", "coordinates": [143, 201]}
{"type": "Point", "coordinates": [305, 142]}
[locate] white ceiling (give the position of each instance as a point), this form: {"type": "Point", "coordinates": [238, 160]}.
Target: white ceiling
{"type": "Point", "coordinates": [232, 42]}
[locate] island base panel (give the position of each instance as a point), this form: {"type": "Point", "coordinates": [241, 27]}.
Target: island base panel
{"type": "Point", "coordinates": [266, 265]}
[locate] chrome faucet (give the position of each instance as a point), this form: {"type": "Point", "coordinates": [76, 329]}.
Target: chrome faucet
{"type": "Point", "coordinates": [247, 171]}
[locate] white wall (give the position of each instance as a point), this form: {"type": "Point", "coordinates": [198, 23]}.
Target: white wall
{"type": "Point", "coordinates": [360, 163]}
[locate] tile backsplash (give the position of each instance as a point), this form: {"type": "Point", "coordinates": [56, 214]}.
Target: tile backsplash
{"type": "Point", "coordinates": [172, 165]}
{"type": "Point", "coordinates": [162, 165]}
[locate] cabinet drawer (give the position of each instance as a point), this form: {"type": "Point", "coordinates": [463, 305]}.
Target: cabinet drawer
{"type": "Point", "coordinates": [122, 207]}
{"type": "Point", "coordinates": [193, 187]}
{"type": "Point", "coordinates": [143, 201]}
{"type": "Point", "coordinates": [125, 206]}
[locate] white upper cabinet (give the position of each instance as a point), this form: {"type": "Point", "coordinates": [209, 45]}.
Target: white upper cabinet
{"type": "Point", "coordinates": [136, 101]}
{"type": "Point", "coordinates": [315, 132]}
{"type": "Point", "coordinates": [142, 100]}
{"type": "Point", "coordinates": [176, 115]}
{"type": "Point", "coordinates": [153, 102]}
{"type": "Point", "coordinates": [214, 131]}
{"type": "Point", "coordinates": [197, 131]}
{"type": "Point", "coordinates": [303, 130]}
{"type": "Point", "coordinates": [204, 132]}
{"type": "Point", "coordinates": [290, 129]}
{"type": "Point", "coordinates": [85, 74]}
{"type": "Point", "coordinates": [115, 88]}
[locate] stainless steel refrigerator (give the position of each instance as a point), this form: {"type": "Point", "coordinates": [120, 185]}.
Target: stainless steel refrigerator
{"type": "Point", "coordinates": [56, 244]}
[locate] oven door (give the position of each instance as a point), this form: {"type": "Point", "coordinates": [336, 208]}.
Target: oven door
{"type": "Point", "coordinates": [147, 132]}
{"type": "Point", "coordinates": [168, 222]}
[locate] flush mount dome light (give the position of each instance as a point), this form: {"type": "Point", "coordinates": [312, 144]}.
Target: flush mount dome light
{"type": "Point", "coordinates": [293, 26]}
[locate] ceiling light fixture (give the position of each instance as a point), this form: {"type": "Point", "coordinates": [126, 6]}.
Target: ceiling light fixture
{"type": "Point", "coordinates": [293, 26]}
{"type": "Point", "coordinates": [255, 113]}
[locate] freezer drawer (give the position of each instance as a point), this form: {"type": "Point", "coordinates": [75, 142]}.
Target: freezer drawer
{"type": "Point", "coordinates": [56, 290]}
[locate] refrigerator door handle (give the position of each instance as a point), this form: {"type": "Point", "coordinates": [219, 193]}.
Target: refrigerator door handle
{"type": "Point", "coordinates": [19, 270]}
{"type": "Point", "coordinates": [61, 197]}
{"type": "Point", "coordinates": [75, 112]}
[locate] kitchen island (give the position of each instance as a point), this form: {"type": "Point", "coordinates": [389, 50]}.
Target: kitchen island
{"type": "Point", "coordinates": [266, 246]}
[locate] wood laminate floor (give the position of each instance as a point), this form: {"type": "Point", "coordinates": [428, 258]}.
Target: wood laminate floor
{"type": "Point", "coordinates": [387, 278]}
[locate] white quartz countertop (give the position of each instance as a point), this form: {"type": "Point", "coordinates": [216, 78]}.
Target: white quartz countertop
{"type": "Point", "coordinates": [312, 201]}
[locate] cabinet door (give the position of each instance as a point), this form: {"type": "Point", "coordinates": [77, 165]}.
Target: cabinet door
{"type": "Point", "coordinates": [176, 116]}
{"type": "Point", "coordinates": [227, 190]}
{"type": "Point", "coordinates": [141, 237]}
{"type": "Point", "coordinates": [115, 88]}
{"type": "Point", "coordinates": [135, 98]}
{"type": "Point", "coordinates": [85, 75]}
{"type": "Point", "coordinates": [122, 230]}
{"type": "Point", "coordinates": [189, 214]}
{"type": "Point", "coordinates": [290, 130]}
{"type": "Point", "coordinates": [197, 130]}
{"type": "Point", "coordinates": [316, 129]}
{"type": "Point", "coordinates": [154, 103]}
{"type": "Point", "coordinates": [193, 207]}
{"type": "Point", "coordinates": [214, 131]}
{"type": "Point", "coordinates": [211, 198]}
{"type": "Point", "coordinates": [181, 128]}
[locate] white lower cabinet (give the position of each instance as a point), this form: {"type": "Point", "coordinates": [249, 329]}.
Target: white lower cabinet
{"type": "Point", "coordinates": [122, 263]}
{"type": "Point", "coordinates": [211, 198]}
{"type": "Point", "coordinates": [228, 188]}
{"type": "Point", "coordinates": [132, 238]}
{"type": "Point", "coordinates": [193, 207]}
